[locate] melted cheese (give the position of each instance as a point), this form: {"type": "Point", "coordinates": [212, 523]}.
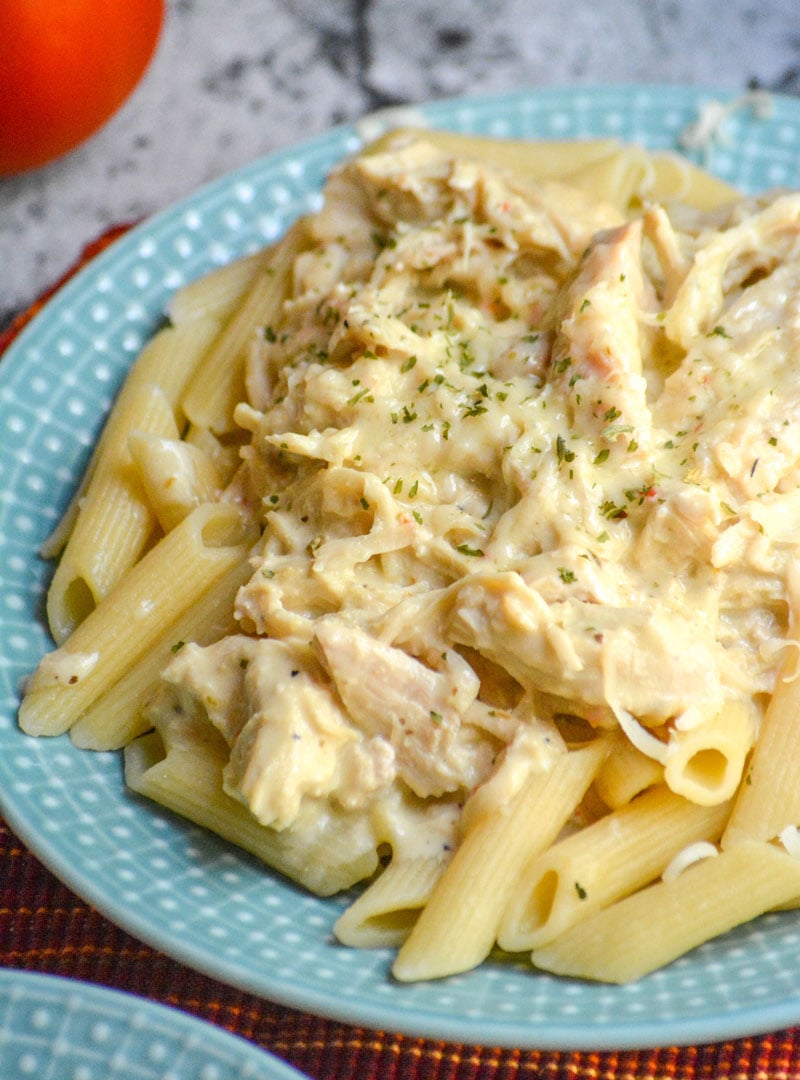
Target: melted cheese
{"type": "Point", "coordinates": [510, 447]}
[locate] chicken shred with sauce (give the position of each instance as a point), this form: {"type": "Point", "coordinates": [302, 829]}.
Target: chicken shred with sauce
{"type": "Point", "coordinates": [522, 461]}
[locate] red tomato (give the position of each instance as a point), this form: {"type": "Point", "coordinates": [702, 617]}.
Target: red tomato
{"type": "Point", "coordinates": [65, 67]}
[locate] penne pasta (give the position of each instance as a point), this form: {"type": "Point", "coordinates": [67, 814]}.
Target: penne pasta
{"type": "Point", "coordinates": [447, 547]}
{"type": "Point", "coordinates": [619, 944]}
{"type": "Point", "coordinates": [223, 455]}
{"type": "Point", "coordinates": [769, 799]}
{"type": "Point", "coordinates": [384, 914]}
{"type": "Point", "coordinates": [538, 160]}
{"type": "Point", "coordinates": [176, 476]}
{"type": "Point", "coordinates": [165, 583]}
{"type": "Point", "coordinates": [626, 773]}
{"type": "Point", "coordinates": [619, 177]}
{"type": "Point", "coordinates": [458, 926]}
{"type": "Point", "coordinates": [118, 715]}
{"type": "Point", "coordinates": [676, 178]}
{"type": "Point", "coordinates": [610, 859]}
{"type": "Point", "coordinates": [110, 522]}
{"type": "Point", "coordinates": [218, 293]}
{"type": "Point", "coordinates": [705, 762]}
{"type": "Point", "coordinates": [114, 522]}
{"type": "Point", "coordinates": [218, 384]}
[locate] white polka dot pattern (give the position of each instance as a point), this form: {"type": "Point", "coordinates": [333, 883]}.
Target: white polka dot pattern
{"type": "Point", "coordinates": [56, 1029]}
{"type": "Point", "coordinates": [184, 891]}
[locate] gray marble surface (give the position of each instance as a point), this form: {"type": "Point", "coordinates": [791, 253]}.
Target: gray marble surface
{"type": "Point", "coordinates": [234, 79]}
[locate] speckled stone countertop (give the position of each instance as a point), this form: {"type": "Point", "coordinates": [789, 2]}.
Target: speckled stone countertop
{"type": "Point", "coordinates": [234, 79]}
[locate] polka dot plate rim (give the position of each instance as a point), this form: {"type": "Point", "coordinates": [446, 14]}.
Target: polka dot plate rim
{"type": "Point", "coordinates": [51, 1026]}
{"type": "Point", "coordinates": [188, 893]}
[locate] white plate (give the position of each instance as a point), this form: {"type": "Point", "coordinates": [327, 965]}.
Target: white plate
{"type": "Point", "coordinates": [185, 892]}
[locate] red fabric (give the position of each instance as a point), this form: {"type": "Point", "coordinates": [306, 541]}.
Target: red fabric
{"type": "Point", "coordinates": [45, 927]}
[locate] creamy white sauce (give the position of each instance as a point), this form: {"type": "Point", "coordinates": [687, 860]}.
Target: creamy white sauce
{"type": "Point", "coordinates": [499, 421]}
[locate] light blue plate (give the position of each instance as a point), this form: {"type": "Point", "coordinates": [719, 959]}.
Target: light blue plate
{"type": "Point", "coordinates": [58, 1029]}
{"type": "Point", "coordinates": [169, 883]}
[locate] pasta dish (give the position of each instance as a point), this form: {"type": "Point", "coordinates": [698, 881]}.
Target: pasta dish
{"type": "Point", "coordinates": [449, 546]}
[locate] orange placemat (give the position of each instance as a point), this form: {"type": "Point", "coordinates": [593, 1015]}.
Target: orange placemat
{"type": "Point", "coordinates": [45, 927]}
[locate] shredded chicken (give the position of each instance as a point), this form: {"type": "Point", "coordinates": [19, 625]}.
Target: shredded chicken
{"type": "Point", "coordinates": [520, 457]}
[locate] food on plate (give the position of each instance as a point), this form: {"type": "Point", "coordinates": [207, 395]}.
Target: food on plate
{"type": "Point", "coordinates": [449, 545]}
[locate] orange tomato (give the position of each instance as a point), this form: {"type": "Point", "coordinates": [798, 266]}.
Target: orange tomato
{"type": "Point", "coordinates": [65, 67]}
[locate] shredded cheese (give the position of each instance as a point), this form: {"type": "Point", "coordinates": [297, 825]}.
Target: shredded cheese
{"type": "Point", "coordinates": [690, 855]}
